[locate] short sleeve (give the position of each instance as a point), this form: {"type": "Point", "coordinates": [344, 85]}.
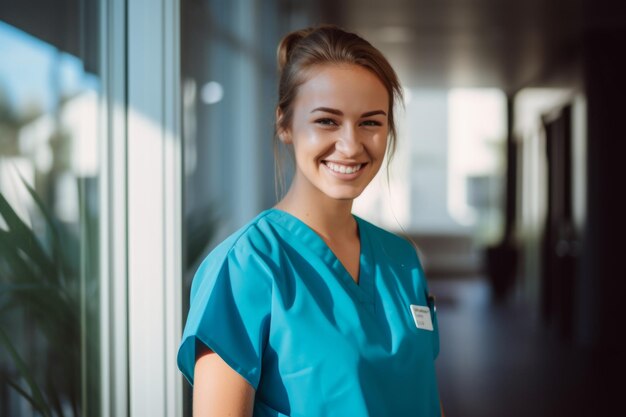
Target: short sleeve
{"type": "Point", "coordinates": [229, 312]}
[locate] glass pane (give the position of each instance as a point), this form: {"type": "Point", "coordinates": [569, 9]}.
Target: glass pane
{"type": "Point", "coordinates": [49, 220]}
{"type": "Point", "coordinates": [229, 87]}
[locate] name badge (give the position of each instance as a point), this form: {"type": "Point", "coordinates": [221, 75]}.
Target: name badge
{"type": "Point", "coordinates": [421, 316]}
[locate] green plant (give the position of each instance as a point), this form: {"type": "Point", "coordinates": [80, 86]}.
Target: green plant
{"type": "Point", "coordinates": [41, 309]}
{"type": "Point", "coordinates": [49, 303]}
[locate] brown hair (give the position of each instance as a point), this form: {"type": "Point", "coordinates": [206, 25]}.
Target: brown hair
{"type": "Point", "coordinates": [327, 44]}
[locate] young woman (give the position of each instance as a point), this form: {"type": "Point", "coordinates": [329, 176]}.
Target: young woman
{"type": "Point", "coordinates": [309, 310]}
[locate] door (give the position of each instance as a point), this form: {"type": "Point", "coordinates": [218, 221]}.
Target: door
{"type": "Point", "coordinates": [559, 240]}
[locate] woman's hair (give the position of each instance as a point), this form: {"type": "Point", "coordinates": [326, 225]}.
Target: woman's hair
{"type": "Point", "coordinates": [300, 50]}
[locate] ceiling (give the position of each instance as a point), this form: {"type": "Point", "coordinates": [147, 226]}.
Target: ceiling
{"type": "Point", "coordinates": [467, 43]}
{"type": "Point", "coordinates": [432, 43]}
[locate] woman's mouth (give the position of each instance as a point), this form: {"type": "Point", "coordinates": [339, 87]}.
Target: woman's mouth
{"type": "Point", "coordinates": [343, 170]}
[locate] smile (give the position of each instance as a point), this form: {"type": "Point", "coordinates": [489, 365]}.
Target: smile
{"type": "Point", "coordinates": [343, 169]}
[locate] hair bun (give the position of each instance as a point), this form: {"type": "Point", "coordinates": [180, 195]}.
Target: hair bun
{"type": "Point", "coordinates": [286, 45]}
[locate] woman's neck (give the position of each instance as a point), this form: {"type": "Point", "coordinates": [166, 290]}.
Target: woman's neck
{"type": "Point", "coordinates": [331, 218]}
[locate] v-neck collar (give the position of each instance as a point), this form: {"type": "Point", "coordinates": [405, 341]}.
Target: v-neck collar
{"type": "Point", "coordinates": [364, 290]}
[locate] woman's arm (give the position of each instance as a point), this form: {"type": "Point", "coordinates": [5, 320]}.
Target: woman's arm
{"type": "Point", "coordinates": [218, 390]}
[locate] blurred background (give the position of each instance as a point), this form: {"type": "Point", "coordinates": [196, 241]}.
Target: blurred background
{"type": "Point", "coordinates": [135, 135]}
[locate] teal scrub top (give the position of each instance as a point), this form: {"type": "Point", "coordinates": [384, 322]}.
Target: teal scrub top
{"type": "Point", "coordinates": [278, 307]}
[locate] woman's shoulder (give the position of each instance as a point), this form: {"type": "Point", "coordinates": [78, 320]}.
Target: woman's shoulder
{"type": "Point", "coordinates": [254, 237]}
{"type": "Point", "coordinates": [247, 251]}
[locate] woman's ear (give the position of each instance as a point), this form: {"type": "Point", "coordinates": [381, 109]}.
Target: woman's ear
{"type": "Point", "coordinates": [283, 134]}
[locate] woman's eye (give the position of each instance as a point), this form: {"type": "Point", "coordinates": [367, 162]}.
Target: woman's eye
{"type": "Point", "coordinates": [372, 123]}
{"type": "Point", "coordinates": [326, 122]}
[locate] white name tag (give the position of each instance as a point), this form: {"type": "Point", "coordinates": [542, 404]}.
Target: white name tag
{"type": "Point", "coordinates": [421, 315]}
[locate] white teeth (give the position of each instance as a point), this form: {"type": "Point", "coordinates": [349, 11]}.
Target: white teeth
{"type": "Point", "coordinates": [343, 169]}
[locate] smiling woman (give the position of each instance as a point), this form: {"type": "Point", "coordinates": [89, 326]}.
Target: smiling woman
{"type": "Point", "coordinates": [338, 134]}
{"type": "Point", "coordinates": [309, 310]}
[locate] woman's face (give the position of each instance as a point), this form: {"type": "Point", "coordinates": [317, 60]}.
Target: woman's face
{"type": "Point", "coordinates": [339, 130]}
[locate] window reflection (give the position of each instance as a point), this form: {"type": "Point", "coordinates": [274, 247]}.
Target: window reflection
{"type": "Point", "coordinates": [49, 322]}
{"type": "Point", "coordinates": [228, 67]}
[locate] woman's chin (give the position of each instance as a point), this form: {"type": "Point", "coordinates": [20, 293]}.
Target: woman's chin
{"type": "Point", "coordinates": [338, 194]}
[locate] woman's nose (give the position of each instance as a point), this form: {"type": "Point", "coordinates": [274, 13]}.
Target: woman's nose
{"type": "Point", "coordinates": [349, 143]}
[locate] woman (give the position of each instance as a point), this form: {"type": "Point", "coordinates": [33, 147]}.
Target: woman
{"type": "Point", "coordinates": [309, 310]}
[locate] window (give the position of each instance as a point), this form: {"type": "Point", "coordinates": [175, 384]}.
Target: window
{"type": "Point", "coordinates": [50, 93]}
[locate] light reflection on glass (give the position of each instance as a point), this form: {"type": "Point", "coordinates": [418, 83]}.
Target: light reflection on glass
{"type": "Point", "coordinates": [48, 228]}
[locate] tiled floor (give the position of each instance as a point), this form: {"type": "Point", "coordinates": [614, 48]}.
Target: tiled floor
{"type": "Point", "coordinates": [496, 360]}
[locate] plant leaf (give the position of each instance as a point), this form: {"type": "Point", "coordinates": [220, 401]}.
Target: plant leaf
{"type": "Point", "coordinates": [25, 373]}
{"type": "Point", "coordinates": [56, 240]}
{"type": "Point", "coordinates": [26, 395]}
{"type": "Point", "coordinates": [21, 236]}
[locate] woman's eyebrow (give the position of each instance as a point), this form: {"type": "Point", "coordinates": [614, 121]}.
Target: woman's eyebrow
{"type": "Point", "coordinates": [340, 113]}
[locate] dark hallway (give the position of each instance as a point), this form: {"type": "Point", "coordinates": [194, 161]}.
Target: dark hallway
{"type": "Point", "coordinates": [497, 359]}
